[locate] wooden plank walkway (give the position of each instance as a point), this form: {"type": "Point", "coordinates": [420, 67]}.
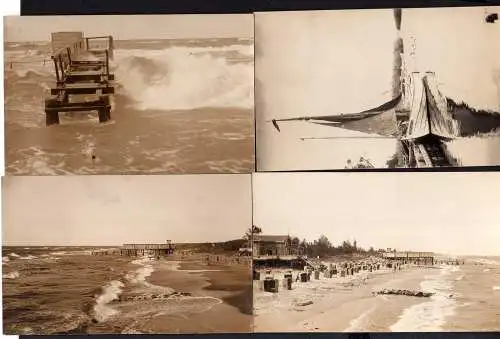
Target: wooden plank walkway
{"type": "Point", "coordinates": [77, 76]}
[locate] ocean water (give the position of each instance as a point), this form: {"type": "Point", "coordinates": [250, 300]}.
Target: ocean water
{"type": "Point", "coordinates": [467, 298]}
{"type": "Point", "coordinates": [180, 106]}
{"type": "Point", "coordinates": [58, 290]}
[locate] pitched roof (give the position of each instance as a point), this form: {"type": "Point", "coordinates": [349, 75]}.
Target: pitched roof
{"type": "Point", "coordinates": [270, 238]}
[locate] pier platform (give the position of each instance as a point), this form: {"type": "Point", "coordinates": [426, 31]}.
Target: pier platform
{"type": "Point", "coordinates": [152, 250]}
{"type": "Point", "coordinates": [83, 78]}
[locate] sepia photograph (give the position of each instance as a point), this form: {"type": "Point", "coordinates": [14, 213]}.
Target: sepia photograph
{"type": "Point", "coordinates": [151, 94]}
{"type": "Point", "coordinates": [345, 252]}
{"type": "Point", "coordinates": [381, 88]}
{"type": "Point", "coordinates": [126, 254]}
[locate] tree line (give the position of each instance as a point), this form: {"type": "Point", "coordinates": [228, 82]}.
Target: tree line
{"type": "Point", "coordinates": [322, 247]}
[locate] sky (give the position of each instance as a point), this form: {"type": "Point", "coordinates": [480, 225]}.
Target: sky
{"type": "Point", "coordinates": [332, 62]}
{"type": "Point", "coordinates": [112, 210]}
{"type": "Point", "coordinates": [39, 28]}
{"type": "Point", "coordinates": [461, 48]}
{"type": "Point", "coordinates": [450, 213]}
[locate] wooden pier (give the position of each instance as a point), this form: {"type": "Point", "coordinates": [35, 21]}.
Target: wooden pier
{"type": "Point", "coordinates": [152, 250]}
{"type": "Point", "coordinates": [416, 258]}
{"type": "Point", "coordinates": [81, 66]}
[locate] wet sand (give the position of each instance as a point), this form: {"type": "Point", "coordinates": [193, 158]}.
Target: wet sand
{"type": "Point", "coordinates": [231, 284]}
{"type": "Point", "coordinates": [338, 304]}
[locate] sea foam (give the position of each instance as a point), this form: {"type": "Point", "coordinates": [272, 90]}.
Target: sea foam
{"type": "Point", "coordinates": [11, 275]}
{"type": "Point", "coordinates": [110, 292]}
{"type": "Point", "coordinates": [487, 261]}
{"type": "Point", "coordinates": [184, 78]}
{"type": "Point", "coordinates": [140, 275]}
{"type": "Point", "coordinates": [429, 316]}
{"type": "Point", "coordinates": [28, 257]}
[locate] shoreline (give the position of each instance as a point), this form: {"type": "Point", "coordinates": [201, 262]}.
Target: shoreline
{"type": "Point", "coordinates": [231, 284]}
{"type": "Point", "coordinates": [225, 283]}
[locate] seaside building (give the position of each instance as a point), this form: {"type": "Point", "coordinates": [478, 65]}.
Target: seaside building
{"type": "Point", "coordinates": [245, 252]}
{"type": "Point", "coordinates": [148, 250]}
{"type": "Point", "coordinates": [275, 246]}
{"type": "Point", "coordinates": [277, 251]}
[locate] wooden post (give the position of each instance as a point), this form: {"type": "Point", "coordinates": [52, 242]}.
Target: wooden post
{"type": "Point", "coordinates": [61, 67]}
{"type": "Point", "coordinates": [107, 66]}
{"type": "Point", "coordinates": [68, 52]}
{"type": "Point", "coordinates": [51, 118]}
{"type": "Point", "coordinates": [57, 70]}
{"type": "Point", "coordinates": [110, 46]}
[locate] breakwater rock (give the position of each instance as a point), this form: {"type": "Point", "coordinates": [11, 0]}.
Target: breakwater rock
{"type": "Point", "coordinates": [153, 296]}
{"type": "Point", "coordinates": [408, 293]}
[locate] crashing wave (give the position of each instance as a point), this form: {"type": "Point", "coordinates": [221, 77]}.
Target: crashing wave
{"type": "Point", "coordinates": [11, 275]}
{"type": "Point", "coordinates": [110, 293]}
{"type": "Point", "coordinates": [182, 78]}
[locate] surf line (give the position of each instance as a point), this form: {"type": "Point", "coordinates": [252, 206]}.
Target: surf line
{"type": "Point", "coordinates": [102, 309]}
{"type": "Point", "coordinates": [139, 277]}
{"type": "Point", "coordinates": [431, 315]}
{"type": "Point", "coordinates": [112, 291]}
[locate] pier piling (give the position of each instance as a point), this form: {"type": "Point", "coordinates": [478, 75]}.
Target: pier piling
{"type": "Point", "coordinates": [77, 76]}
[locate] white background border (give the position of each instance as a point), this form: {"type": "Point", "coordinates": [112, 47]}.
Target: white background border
{"type": "Point", "coordinates": [9, 7]}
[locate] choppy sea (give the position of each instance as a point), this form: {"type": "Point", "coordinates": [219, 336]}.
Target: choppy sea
{"type": "Point", "coordinates": [467, 298]}
{"type": "Point", "coordinates": [65, 290]}
{"type": "Point", "coordinates": [180, 106]}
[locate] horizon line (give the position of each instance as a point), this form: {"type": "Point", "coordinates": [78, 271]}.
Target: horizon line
{"type": "Point", "coordinates": [125, 243]}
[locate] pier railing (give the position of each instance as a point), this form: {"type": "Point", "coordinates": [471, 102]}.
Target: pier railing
{"type": "Point", "coordinates": [100, 44]}
{"type": "Point", "coordinates": [101, 47]}
{"type": "Point", "coordinates": [147, 246]}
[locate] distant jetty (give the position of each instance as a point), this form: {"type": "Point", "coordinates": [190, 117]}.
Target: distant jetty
{"type": "Point", "coordinates": [140, 250]}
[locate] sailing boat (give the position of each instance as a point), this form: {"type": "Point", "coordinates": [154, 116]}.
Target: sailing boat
{"type": "Point", "coordinates": [431, 114]}
{"type": "Point", "coordinates": [418, 108]}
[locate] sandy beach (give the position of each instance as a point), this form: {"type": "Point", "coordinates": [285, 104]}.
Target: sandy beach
{"type": "Point", "coordinates": [338, 304]}
{"type": "Point", "coordinates": [354, 228]}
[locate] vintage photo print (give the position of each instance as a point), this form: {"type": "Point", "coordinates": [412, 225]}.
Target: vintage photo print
{"type": "Point", "coordinates": [344, 252]}
{"type": "Point", "coordinates": [126, 254]}
{"type": "Point", "coordinates": [385, 88]}
{"type": "Point", "coordinates": [151, 94]}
